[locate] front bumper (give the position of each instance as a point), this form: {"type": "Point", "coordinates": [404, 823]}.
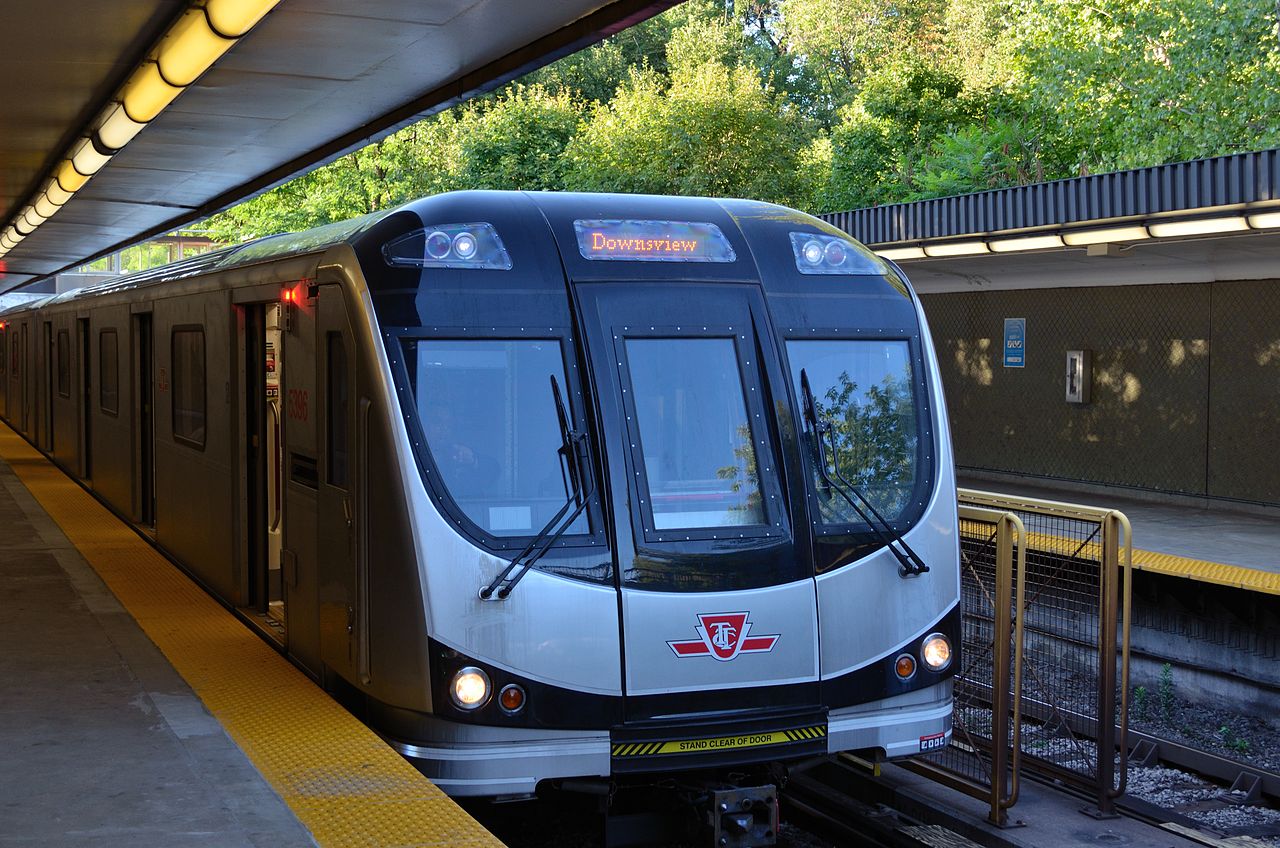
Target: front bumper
{"type": "Point", "coordinates": [902, 726]}
{"type": "Point", "coordinates": [497, 761]}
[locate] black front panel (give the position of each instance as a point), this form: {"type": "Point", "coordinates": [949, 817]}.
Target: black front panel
{"type": "Point", "coordinates": [683, 388]}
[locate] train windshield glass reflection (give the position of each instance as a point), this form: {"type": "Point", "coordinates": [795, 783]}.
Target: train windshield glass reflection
{"type": "Point", "coordinates": [696, 441]}
{"type": "Point", "coordinates": [486, 409]}
{"type": "Point", "coordinates": [864, 389]}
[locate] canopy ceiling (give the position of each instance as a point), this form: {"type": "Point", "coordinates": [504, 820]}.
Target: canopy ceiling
{"type": "Point", "coordinates": [314, 79]}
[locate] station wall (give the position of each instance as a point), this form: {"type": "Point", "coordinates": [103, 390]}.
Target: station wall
{"type": "Point", "coordinates": [1185, 385]}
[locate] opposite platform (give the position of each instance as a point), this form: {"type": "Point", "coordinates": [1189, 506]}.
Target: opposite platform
{"type": "Point", "coordinates": [1208, 545]}
{"type": "Point", "coordinates": [116, 750]}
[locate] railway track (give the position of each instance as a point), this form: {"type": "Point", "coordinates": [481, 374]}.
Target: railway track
{"type": "Point", "coordinates": [829, 801]}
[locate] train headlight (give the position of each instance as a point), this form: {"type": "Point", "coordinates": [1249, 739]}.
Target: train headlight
{"type": "Point", "coordinates": [464, 244]}
{"type": "Point", "coordinates": [936, 651]}
{"type": "Point", "coordinates": [819, 253]}
{"type": "Point", "coordinates": [811, 252]}
{"type": "Point", "coordinates": [470, 688]}
{"type": "Point", "coordinates": [438, 245]}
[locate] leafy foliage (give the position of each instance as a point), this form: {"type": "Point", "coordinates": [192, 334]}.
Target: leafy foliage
{"type": "Point", "coordinates": [834, 104]}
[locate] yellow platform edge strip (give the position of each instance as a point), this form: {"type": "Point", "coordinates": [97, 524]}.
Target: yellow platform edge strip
{"type": "Point", "coordinates": [1203, 571]}
{"type": "Point", "coordinates": [1199, 570]}
{"type": "Point", "coordinates": [347, 786]}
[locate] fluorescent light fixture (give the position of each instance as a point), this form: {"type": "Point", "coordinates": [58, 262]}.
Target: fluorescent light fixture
{"type": "Point", "coordinates": [1265, 220]}
{"type": "Point", "coordinates": [190, 48]}
{"type": "Point", "coordinates": [118, 129]}
{"type": "Point", "coordinates": [56, 194]}
{"type": "Point", "coordinates": [86, 159]}
{"type": "Point", "coordinates": [32, 219]}
{"type": "Point", "coordinates": [902, 253]}
{"type": "Point", "coordinates": [46, 207]}
{"type": "Point", "coordinates": [1198, 226]}
{"type": "Point", "coordinates": [69, 179]}
{"type": "Point", "coordinates": [956, 248]}
{"type": "Point", "coordinates": [1106, 235]}
{"type": "Point", "coordinates": [146, 94]}
{"type": "Point", "coordinates": [1025, 243]}
{"type": "Point", "coordinates": [203, 34]}
{"type": "Point", "coordinates": [233, 18]}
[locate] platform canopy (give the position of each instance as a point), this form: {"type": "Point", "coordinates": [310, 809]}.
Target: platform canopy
{"type": "Point", "coordinates": [310, 81]}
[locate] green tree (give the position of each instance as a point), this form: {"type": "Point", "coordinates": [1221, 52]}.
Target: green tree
{"type": "Point", "coordinates": [847, 40]}
{"type": "Point", "coordinates": [1142, 82]}
{"type": "Point", "coordinates": [899, 114]}
{"type": "Point", "coordinates": [517, 140]}
{"type": "Point", "coordinates": [713, 128]}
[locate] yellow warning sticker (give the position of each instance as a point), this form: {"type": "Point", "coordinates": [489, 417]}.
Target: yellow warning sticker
{"type": "Point", "coordinates": [719, 743]}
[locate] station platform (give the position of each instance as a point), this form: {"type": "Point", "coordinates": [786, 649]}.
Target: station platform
{"type": "Point", "coordinates": [138, 711]}
{"type": "Point", "coordinates": [1205, 543]}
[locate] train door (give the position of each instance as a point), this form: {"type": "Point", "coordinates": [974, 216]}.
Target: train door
{"type": "Point", "coordinates": [264, 467]}
{"type": "Point", "coordinates": [4, 370]}
{"type": "Point", "coordinates": [719, 611]}
{"type": "Point", "coordinates": [341, 566]}
{"type": "Point", "coordinates": [86, 398]}
{"type": "Point", "coordinates": [298, 352]}
{"type": "Point", "coordinates": [26, 384]}
{"type": "Point", "coordinates": [144, 414]}
{"type": "Point", "coordinates": [46, 407]}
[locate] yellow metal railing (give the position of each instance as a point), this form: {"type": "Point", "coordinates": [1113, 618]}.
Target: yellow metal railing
{"type": "Point", "coordinates": [1046, 590]}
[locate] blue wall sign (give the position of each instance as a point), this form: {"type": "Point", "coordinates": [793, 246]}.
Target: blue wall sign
{"type": "Point", "coordinates": [1015, 342]}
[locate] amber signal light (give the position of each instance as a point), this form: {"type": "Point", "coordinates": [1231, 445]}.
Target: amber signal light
{"type": "Point", "coordinates": [905, 667]}
{"type": "Point", "coordinates": [511, 698]}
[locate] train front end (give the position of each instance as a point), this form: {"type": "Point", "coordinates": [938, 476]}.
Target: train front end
{"type": "Point", "coordinates": [679, 491]}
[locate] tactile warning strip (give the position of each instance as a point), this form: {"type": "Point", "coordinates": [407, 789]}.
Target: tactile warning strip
{"type": "Point", "coordinates": [1203, 571]}
{"type": "Point", "coordinates": [1252, 579]}
{"type": "Point", "coordinates": [343, 782]}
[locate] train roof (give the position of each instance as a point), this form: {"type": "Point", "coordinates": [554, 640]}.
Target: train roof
{"type": "Point", "coordinates": [553, 206]}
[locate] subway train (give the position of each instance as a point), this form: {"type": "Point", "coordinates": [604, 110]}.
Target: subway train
{"type": "Point", "coordinates": [551, 489]}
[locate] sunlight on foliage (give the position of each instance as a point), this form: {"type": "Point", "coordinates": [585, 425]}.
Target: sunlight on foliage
{"type": "Point", "coordinates": [833, 104]}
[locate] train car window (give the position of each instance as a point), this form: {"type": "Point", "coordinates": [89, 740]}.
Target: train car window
{"type": "Point", "coordinates": [64, 364]}
{"type": "Point", "coordinates": [864, 389]}
{"type": "Point", "coordinates": [108, 372]}
{"type": "Point", "coordinates": [336, 411]}
{"type": "Point", "coordinates": [486, 408]}
{"type": "Point", "coordinates": [699, 461]}
{"type": "Point", "coordinates": [189, 386]}
{"type": "Point", "coordinates": [16, 359]}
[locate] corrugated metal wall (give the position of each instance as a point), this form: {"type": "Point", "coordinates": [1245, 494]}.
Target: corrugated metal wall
{"type": "Point", "coordinates": [1185, 394]}
{"type": "Point", "coordinates": [1204, 184]}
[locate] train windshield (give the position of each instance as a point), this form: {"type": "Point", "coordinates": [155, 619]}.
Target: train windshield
{"type": "Point", "coordinates": [487, 412]}
{"type": "Point", "coordinates": [691, 411]}
{"type": "Point", "coordinates": [865, 390]}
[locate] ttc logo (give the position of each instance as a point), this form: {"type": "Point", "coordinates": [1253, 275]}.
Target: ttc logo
{"type": "Point", "coordinates": [724, 636]}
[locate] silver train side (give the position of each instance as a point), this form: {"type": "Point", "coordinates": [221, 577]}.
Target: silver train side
{"type": "Point", "coordinates": [267, 414]}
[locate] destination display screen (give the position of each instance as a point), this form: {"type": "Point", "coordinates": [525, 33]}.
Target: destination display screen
{"type": "Point", "coordinates": [653, 241]}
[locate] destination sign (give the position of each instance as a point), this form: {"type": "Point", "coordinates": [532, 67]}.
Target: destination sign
{"type": "Point", "coordinates": [653, 241]}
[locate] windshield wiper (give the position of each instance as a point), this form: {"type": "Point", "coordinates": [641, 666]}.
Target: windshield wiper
{"type": "Point", "coordinates": [909, 562]}
{"type": "Point", "coordinates": [580, 487]}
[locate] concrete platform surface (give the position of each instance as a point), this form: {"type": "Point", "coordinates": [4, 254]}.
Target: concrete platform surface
{"type": "Point", "coordinates": [1209, 533]}
{"type": "Point", "coordinates": [102, 743]}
